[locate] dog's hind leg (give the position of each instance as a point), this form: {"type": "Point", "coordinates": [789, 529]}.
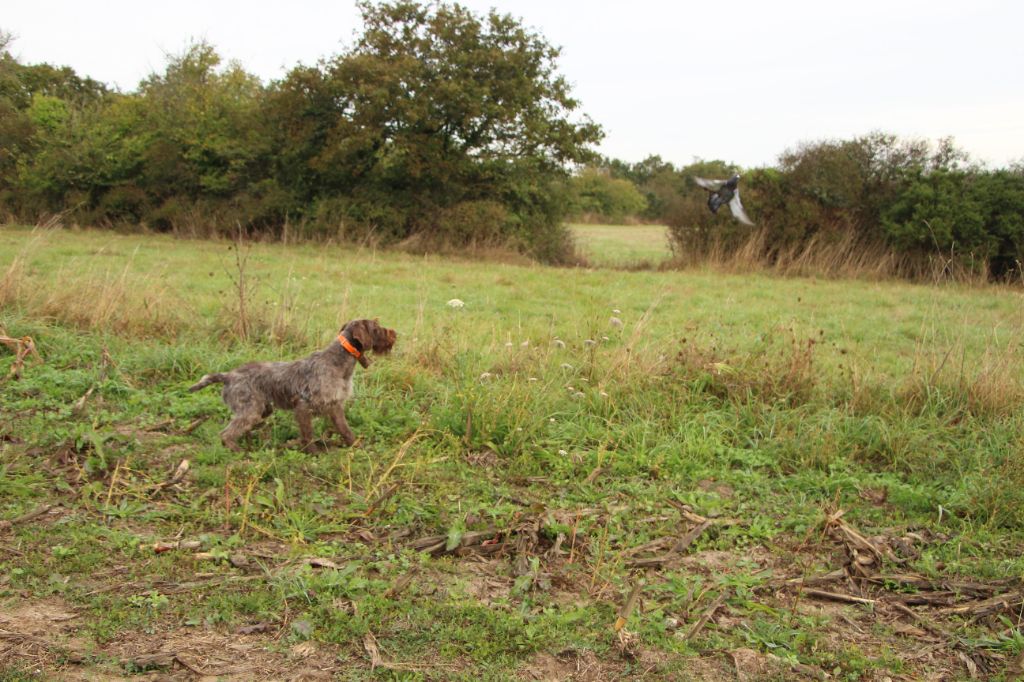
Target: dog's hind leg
{"type": "Point", "coordinates": [240, 425]}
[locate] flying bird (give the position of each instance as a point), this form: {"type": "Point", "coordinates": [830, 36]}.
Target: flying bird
{"type": "Point", "coordinates": [725, 192]}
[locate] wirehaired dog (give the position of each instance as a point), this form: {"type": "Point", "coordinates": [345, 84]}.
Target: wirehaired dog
{"type": "Point", "coordinates": [316, 385]}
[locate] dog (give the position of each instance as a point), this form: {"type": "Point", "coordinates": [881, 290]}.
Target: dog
{"type": "Point", "coordinates": [315, 385]}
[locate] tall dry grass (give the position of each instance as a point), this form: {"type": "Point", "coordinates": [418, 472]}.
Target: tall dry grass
{"type": "Point", "coordinates": [832, 254]}
{"type": "Point", "coordinates": [135, 304]}
{"type": "Point", "coordinates": [989, 383]}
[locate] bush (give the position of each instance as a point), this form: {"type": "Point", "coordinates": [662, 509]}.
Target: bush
{"type": "Point", "coordinates": [596, 194]}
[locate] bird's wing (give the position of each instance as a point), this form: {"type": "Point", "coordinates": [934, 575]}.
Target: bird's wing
{"type": "Point", "coordinates": [713, 185]}
{"type": "Point", "coordinates": [737, 209]}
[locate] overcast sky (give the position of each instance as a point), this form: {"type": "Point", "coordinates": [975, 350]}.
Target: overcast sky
{"type": "Point", "coordinates": [739, 81]}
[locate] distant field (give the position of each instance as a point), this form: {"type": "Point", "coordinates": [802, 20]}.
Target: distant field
{"type": "Point", "coordinates": [798, 478]}
{"type": "Point", "coordinates": [622, 245]}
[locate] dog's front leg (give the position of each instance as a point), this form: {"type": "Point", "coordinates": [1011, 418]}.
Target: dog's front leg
{"type": "Point", "coordinates": [341, 425]}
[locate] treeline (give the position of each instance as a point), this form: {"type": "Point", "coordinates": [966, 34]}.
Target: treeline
{"type": "Point", "coordinates": [437, 127]}
{"type": "Point", "coordinates": [921, 203]}
{"type": "Point", "coordinates": [442, 128]}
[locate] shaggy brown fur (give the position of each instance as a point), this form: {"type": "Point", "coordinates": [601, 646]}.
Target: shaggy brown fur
{"type": "Point", "coordinates": [318, 384]}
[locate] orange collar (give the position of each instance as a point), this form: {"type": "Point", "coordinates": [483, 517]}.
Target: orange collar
{"type": "Point", "coordinates": [347, 345]}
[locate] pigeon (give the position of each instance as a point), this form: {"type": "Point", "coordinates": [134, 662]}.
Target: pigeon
{"type": "Point", "coordinates": [725, 192]}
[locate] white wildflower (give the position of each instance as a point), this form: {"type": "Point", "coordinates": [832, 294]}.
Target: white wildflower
{"type": "Point", "coordinates": [508, 344]}
{"type": "Point", "coordinates": [590, 343]}
{"type": "Point", "coordinates": [563, 453]}
{"type": "Point", "coordinates": [456, 303]}
{"type": "Point", "coordinates": [604, 338]}
{"type": "Point", "coordinates": [525, 344]}
{"type": "Point", "coordinates": [585, 380]}
{"type": "Point", "coordinates": [615, 322]}
{"type": "Point", "coordinates": [616, 311]}
{"type": "Point", "coordinates": [558, 343]}
{"type": "Point", "coordinates": [533, 379]}
{"type": "Point", "coordinates": [485, 376]}
{"type": "Point", "coordinates": [603, 394]}
{"type": "Point", "coordinates": [551, 419]}
{"type": "Point", "coordinates": [578, 395]}
{"type": "Point", "coordinates": [566, 365]}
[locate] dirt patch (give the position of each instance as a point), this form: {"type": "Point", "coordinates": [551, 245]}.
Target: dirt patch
{"type": "Point", "coordinates": [35, 635]}
{"type": "Point", "coordinates": [752, 665]}
{"type": "Point", "coordinates": [585, 666]}
{"type": "Point", "coordinates": [716, 562]}
{"type": "Point", "coordinates": [41, 636]}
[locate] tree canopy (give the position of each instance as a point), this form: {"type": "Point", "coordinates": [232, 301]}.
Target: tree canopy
{"type": "Point", "coordinates": [437, 124]}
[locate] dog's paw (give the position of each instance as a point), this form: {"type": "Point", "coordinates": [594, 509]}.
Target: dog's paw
{"type": "Point", "coordinates": [314, 447]}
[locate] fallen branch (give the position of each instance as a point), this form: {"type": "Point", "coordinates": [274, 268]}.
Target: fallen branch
{"type": "Point", "coordinates": [1011, 601]}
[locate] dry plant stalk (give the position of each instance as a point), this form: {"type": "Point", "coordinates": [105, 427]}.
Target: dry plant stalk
{"type": "Point", "coordinates": [628, 606]}
{"type": "Point", "coordinates": [244, 290]}
{"type": "Point", "coordinates": [21, 348]}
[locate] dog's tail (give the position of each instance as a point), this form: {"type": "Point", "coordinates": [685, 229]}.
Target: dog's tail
{"type": "Point", "coordinates": [208, 379]}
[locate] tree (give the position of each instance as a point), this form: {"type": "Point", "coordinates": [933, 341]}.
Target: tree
{"type": "Point", "coordinates": [434, 107]}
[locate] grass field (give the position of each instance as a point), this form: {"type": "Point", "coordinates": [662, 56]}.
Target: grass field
{"type": "Point", "coordinates": [622, 245]}
{"type": "Point", "coordinates": [793, 478]}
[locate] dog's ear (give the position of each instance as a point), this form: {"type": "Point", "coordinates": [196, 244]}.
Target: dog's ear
{"type": "Point", "coordinates": [363, 337]}
{"type": "Point", "coordinates": [361, 333]}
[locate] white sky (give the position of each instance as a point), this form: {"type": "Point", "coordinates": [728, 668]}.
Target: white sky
{"type": "Point", "coordinates": [738, 81]}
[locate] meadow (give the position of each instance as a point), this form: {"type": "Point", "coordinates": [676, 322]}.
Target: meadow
{"type": "Point", "coordinates": [622, 246]}
{"type": "Point", "coordinates": [581, 473]}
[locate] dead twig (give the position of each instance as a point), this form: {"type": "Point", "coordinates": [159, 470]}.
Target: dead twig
{"type": "Point", "coordinates": [176, 477]}
{"type": "Point", "coordinates": [161, 547]}
{"type": "Point", "coordinates": [920, 620]}
{"type": "Point", "coordinates": [381, 499]}
{"type": "Point", "coordinates": [705, 617]}
{"type": "Point", "coordinates": [1011, 601]}
{"type": "Point", "coordinates": [434, 544]}
{"type": "Point", "coordinates": [195, 424]}
{"type": "Point", "coordinates": [681, 546]}
{"type": "Point", "coordinates": [370, 645]}
{"type": "Point", "coordinates": [399, 585]}
{"type": "Point", "coordinates": [191, 668]}
{"type": "Point", "coordinates": [34, 514]}
{"type": "Point", "coordinates": [836, 596]}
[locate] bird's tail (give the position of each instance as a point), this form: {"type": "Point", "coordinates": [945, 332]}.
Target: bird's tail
{"type": "Point", "coordinates": [208, 379]}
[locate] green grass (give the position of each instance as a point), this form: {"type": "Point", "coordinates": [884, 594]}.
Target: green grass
{"type": "Point", "coordinates": [622, 245]}
{"type": "Point", "coordinates": [750, 399]}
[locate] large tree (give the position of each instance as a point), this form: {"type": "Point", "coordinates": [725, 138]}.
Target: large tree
{"type": "Point", "coordinates": [434, 108]}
